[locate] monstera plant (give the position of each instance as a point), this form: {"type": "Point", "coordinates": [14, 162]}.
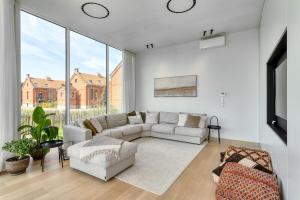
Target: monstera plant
{"type": "Point", "coordinates": [40, 130]}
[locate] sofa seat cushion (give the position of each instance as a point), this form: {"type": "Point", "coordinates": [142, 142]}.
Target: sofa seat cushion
{"type": "Point", "coordinates": [105, 160]}
{"type": "Point", "coordinates": [146, 127]}
{"type": "Point", "coordinates": [193, 132]}
{"type": "Point", "coordinates": [164, 128]}
{"type": "Point", "coordinates": [130, 129]}
{"type": "Point", "coordinates": [240, 182]}
{"type": "Point", "coordinates": [115, 133]}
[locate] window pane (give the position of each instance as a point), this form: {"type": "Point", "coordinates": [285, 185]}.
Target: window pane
{"type": "Point", "coordinates": [115, 81]}
{"type": "Point", "coordinates": [87, 78]}
{"type": "Point", "coordinates": [43, 68]}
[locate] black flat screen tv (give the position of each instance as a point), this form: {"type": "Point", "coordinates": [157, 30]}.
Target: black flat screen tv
{"type": "Point", "coordinates": [277, 89]}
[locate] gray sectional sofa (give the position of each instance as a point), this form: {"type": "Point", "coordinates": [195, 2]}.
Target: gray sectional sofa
{"type": "Point", "coordinates": [116, 126]}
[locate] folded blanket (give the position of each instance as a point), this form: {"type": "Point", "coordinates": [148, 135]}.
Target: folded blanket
{"type": "Point", "coordinates": [101, 145]}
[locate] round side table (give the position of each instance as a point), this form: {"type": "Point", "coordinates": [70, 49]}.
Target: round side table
{"type": "Point", "coordinates": [215, 127]}
{"type": "Point", "coordinates": [53, 144]}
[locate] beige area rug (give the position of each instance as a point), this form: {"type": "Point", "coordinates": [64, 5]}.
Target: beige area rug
{"type": "Point", "coordinates": [159, 163]}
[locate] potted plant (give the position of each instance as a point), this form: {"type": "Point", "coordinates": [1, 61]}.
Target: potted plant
{"type": "Point", "coordinates": [40, 131]}
{"type": "Point", "coordinates": [21, 148]}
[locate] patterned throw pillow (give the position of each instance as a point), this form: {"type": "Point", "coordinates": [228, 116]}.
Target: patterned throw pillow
{"type": "Point", "coordinates": [192, 121]}
{"type": "Point", "coordinates": [242, 160]}
{"type": "Point", "coordinates": [95, 122]}
{"type": "Point", "coordinates": [135, 119]}
{"type": "Point", "coordinates": [259, 156]}
{"type": "Point", "coordinates": [240, 182]}
{"type": "Point", "coordinates": [90, 126]}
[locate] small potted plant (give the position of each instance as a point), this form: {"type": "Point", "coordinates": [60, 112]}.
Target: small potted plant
{"type": "Point", "coordinates": [21, 148]}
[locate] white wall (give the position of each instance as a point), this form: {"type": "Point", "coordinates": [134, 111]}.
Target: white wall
{"type": "Point", "coordinates": [293, 100]}
{"type": "Point", "coordinates": [233, 68]}
{"type": "Point", "coordinates": [273, 24]}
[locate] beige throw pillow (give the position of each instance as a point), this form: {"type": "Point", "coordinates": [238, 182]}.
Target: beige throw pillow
{"type": "Point", "coordinates": [182, 120]}
{"type": "Point", "coordinates": [192, 121]}
{"type": "Point", "coordinates": [95, 122]}
{"type": "Point", "coordinates": [203, 122]}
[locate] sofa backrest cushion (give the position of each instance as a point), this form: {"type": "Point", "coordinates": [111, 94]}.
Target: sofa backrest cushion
{"type": "Point", "coordinates": [168, 118]}
{"type": "Point", "coordinates": [102, 120]}
{"type": "Point", "coordinates": [152, 117]}
{"type": "Point", "coordinates": [116, 120]}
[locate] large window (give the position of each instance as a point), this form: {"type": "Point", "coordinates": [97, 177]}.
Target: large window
{"type": "Point", "coordinates": [43, 68]}
{"type": "Point", "coordinates": [87, 77]}
{"type": "Point", "coordinates": [95, 86]}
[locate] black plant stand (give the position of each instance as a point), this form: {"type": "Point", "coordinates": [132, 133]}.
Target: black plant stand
{"type": "Point", "coordinates": [215, 127]}
{"type": "Point", "coordinates": [53, 144]}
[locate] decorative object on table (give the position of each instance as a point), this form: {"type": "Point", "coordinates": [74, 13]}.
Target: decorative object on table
{"type": "Point", "coordinates": [215, 127]}
{"type": "Point", "coordinates": [53, 144]}
{"type": "Point", "coordinates": [178, 86]}
{"type": "Point", "coordinates": [40, 130]}
{"type": "Point", "coordinates": [21, 148]}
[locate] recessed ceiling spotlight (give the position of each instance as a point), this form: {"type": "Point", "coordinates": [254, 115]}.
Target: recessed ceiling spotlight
{"type": "Point", "coordinates": [150, 46]}
{"type": "Point", "coordinates": [180, 11]}
{"type": "Point", "coordinates": [95, 10]}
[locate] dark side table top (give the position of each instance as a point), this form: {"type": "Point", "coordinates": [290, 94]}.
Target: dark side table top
{"type": "Point", "coordinates": [52, 144]}
{"type": "Point", "coordinates": [213, 127]}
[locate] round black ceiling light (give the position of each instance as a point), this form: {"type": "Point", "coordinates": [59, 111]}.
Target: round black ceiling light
{"type": "Point", "coordinates": [95, 10]}
{"type": "Point", "coordinates": [180, 11]}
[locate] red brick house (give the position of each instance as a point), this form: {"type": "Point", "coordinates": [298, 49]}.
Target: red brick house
{"type": "Point", "coordinates": [36, 91]}
{"type": "Point", "coordinates": [115, 88]}
{"type": "Point", "coordinates": [87, 90]}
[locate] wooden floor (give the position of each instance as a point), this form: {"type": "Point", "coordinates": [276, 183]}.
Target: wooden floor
{"type": "Point", "coordinates": [57, 183]}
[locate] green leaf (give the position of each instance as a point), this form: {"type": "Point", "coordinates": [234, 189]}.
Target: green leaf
{"type": "Point", "coordinates": [52, 132]}
{"type": "Point", "coordinates": [48, 115]}
{"type": "Point", "coordinates": [21, 128]}
{"type": "Point", "coordinates": [38, 115]}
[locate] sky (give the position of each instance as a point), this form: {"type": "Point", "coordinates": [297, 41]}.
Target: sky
{"type": "Point", "coordinates": [43, 51]}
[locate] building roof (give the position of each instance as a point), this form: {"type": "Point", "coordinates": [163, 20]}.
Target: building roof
{"type": "Point", "coordinates": [115, 70]}
{"type": "Point", "coordinates": [90, 79]}
{"type": "Point", "coordinates": [45, 83]}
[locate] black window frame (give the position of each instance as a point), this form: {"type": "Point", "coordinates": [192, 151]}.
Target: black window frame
{"type": "Point", "coordinates": [276, 123]}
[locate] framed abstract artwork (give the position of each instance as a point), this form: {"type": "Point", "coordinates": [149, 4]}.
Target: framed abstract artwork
{"type": "Point", "coordinates": [177, 86]}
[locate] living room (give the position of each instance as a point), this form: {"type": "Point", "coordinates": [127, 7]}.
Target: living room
{"type": "Point", "coordinates": [173, 99]}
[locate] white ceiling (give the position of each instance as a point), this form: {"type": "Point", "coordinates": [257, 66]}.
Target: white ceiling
{"type": "Point", "coordinates": [134, 23]}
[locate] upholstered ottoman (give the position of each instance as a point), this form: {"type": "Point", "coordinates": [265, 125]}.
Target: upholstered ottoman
{"type": "Point", "coordinates": [238, 182]}
{"type": "Point", "coordinates": [103, 166]}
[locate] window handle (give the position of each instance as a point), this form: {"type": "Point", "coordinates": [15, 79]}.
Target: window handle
{"type": "Point", "coordinates": [273, 122]}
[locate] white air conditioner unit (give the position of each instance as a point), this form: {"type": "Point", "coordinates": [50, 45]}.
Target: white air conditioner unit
{"type": "Point", "coordinates": [213, 41]}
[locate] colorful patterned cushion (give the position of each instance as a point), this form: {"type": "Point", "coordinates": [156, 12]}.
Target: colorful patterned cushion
{"type": "Point", "coordinates": [238, 182]}
{"type": "Point", "coordinates": [242, 160]}
{"type": "Point", "coordinates": [259, 156]}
